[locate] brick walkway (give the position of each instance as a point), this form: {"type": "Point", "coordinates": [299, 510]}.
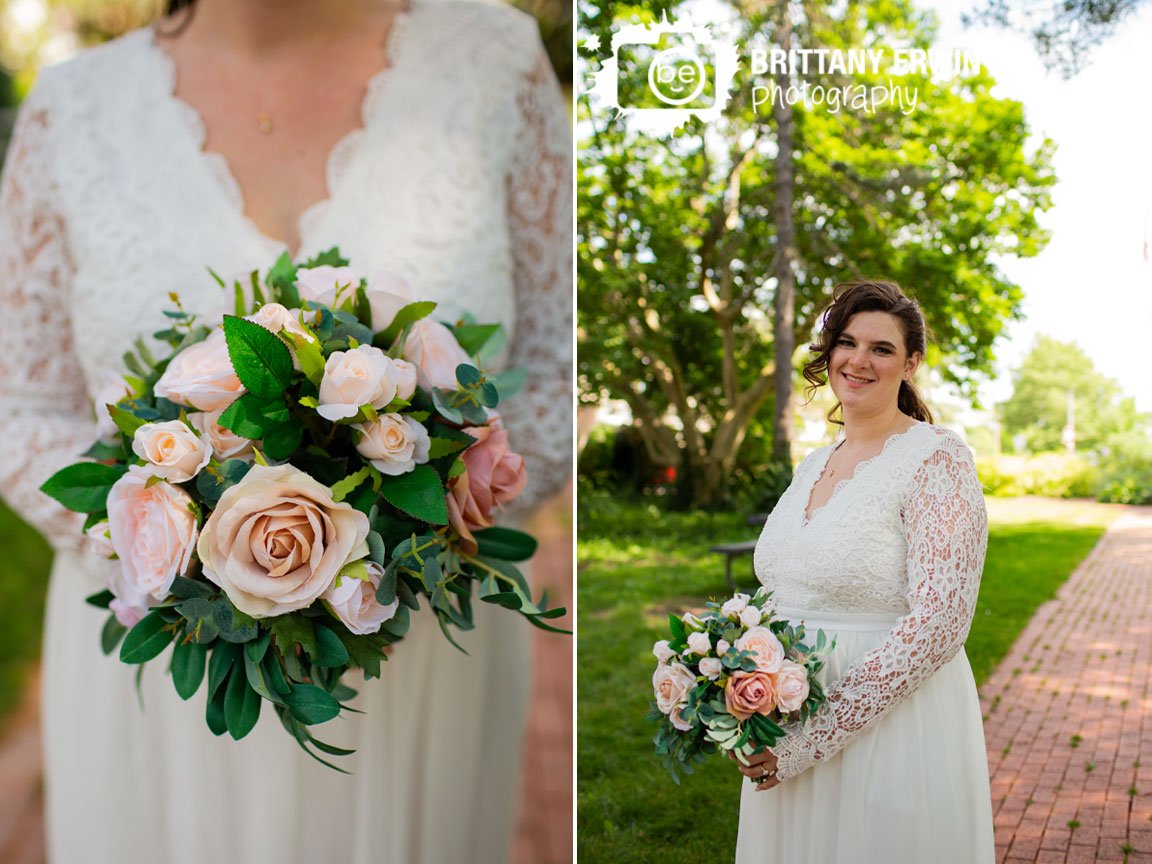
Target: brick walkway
{"type": "Point", "coordinates": [544, 835]}
{"type": "Point", "coordinates": [1069, 715]}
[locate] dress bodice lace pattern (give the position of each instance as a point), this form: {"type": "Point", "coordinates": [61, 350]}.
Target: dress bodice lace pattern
{"type": "Point", "coordinates": [905, 535]}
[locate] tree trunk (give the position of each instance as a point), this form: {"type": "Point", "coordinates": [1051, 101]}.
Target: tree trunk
{"type": "Point", "coordinates": [785, 272]}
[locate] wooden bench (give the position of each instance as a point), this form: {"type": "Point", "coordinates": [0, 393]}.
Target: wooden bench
{"type": "Point", "coordinates": [735, 550]}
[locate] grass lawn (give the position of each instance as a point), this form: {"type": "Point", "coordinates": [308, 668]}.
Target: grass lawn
{"type": "Point", "coordinates": [636, 564]}
{"type": "Point", "coordinates": [23, 585]}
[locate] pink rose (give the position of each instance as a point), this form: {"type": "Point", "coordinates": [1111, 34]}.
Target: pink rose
{"type": "Point", "coordinates": [153, 531]}
{"type": "Point", "coordinates": [791, 686]}
{"type": "Point", "coordinates": [276, 540]}
{"type": "Point", "coordinates": [201, 376]}
{"type": "Point", "coordinates": [671, 683]}
{"type": "Point", "coordinates": [436, 354]}
{"type": "Point", "coordinates": [126, 614]}
{"type": "Point", "coordinates": [748, 693]}
{"type": "Point", "coordinates": [393, 443]}
{"type": "Point", "coordinates": [361, 376]}
{"type": "Point", "coordinates": [174, 451]}
{"type": "Point", "coordinates": [354, 602]}
{"type": "Point", "coordinates": [765, 647]}
{"type": "Point", "coordinates": [493, 476]}
{"type": "Point", "coordinates": [225, 443]}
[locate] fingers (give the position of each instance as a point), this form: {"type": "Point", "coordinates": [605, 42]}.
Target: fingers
{"type": "Point", "coordinates": [769, 783]}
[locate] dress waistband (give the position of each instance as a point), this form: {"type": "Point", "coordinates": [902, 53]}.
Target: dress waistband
{"type": "Point", "coordinates": [839, 621]}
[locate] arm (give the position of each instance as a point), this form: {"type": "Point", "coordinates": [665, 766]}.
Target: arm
{"type": "Point", "coordinates": [947, 532]}
{"type": "Point", "coordinates": [45, 413]}
{"type": "Point", "coordinates": [540, 225]}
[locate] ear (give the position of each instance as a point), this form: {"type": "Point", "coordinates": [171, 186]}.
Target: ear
{"type": "Point", "coordinates": [912, 365]}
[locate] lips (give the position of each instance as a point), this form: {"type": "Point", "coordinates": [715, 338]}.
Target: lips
{"type": "Point", "coordinates": [855, 380]}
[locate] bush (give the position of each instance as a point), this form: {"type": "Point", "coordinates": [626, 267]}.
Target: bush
{"type": "Point", "coordinates": [1054, 475]}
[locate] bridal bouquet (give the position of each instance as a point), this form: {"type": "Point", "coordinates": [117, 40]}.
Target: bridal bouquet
{"type": "Point", "coordinates": [275, 495]}
{"type": "Point", "coordinates": [728, 680]}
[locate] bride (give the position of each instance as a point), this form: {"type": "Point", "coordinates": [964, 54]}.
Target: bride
{"type": "Point", "coordinates": [429, 141]}
{"type": "Point", "coordinates": [880, 542]}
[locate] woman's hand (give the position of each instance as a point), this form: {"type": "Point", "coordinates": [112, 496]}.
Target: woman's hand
{"type": "Point", "coordinates": [760, 765]}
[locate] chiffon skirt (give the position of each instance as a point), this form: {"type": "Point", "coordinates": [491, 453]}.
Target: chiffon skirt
{"type": "Point", "coordinates": [435, 778]}
{"type": "Point", "coordinates": [912, 788]}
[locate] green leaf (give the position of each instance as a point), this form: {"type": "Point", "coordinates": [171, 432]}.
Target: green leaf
{"type": "Point", "coordinates": [241, 706]}
{"type": "Point", "coordinates": [418, 493]}
{"type": "Point", "coordinates": [505, 543]}
{"type": "Point", "coordinates": [261, 360]}
{"type": "Point", "coordinates": [254, 672]}
{"type": "Point", "coordinates": [256, 649]}
{"type": "Point", "coordinates": [101, 599]}
{"type": "Point", "coordinates": [214, 713]}
{"type": "Point", "coordinates": [509, 382]}
{"type": "Point", "coordinates": [386, 591]}
{"type": "Point", "coordinates": [468, 375]}
{"type": "Point", "coordinates": [438, 447]}
{"type": "Point", "coordinates": [289, 630]}
{"type": "Point", "coordinates": [364, 651]}
{"type": "Point", "coordinates": [489, 395]}
{"type": "Point", "coordinates": [184, 588]}
{"type": "Point", "coordinates": [309, 356]}
{"type": "Point", "coordinates": [398, 624]}
{"type": "Point", "coordinates": [83, 487]}
{"type": "Point", "coordinates": [102, 451]}
{"type": "Point", "coordinates": [125, 421]}
{"type": "Point", "coordinates": [442, 402]}
{"type": "Point", "coordinates": [330, 650]}
{"type": "Point", "coordinates": [282, 280]}
{"type": "Point", "coordinates": [341, 490]}
{"type": "Point", "coordinates": [200, 613]}
{"type": "Point", "coordinates": [473, 337]}
{"type": "Point", "coordinates": [327, 258]}
{"type": "Point", "coordinates": [274, 674]}
{"type": "Point", "coordinates": [217, 478]}
{"type": "Point", "coordinates": [147, 639]}
{"type": "Point", "coordinates": [189, 660]}
{"type": "Point", "coordinates": [224, 654]}
{"type": "Point", "coordinates": [234, 625]}
{"type": "Point", "coordinates": [409, 314]}
{"type": "Point", "coordinates": [246, 416]}
{"type": "Point", "coordinates": [282, 441]}
{"type": "Point", "coordinates": [376, 550]}
{"type": "Point", "coordinates": [111, 635]}
{"type": "Point", "coordinates": [310, 704]}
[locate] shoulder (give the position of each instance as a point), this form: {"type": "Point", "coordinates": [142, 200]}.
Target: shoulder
{"type": "Point", "coordinates": [94, 69]}
{"type": "Point", "coordinates": [938, 456]}
{"type": "Point", "coordinates": [485, 27]}
{"type": "Point", "coordinates": [944, 441]}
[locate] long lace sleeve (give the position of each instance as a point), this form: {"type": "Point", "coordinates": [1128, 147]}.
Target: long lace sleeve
{"type": "Point", "coordinates": [540, 224]}
{"type": "Point", "coordinates": [45, 414]}
{"type": "Point", "coordinates": [946, 528]}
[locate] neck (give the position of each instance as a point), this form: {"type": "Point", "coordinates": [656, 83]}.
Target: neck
{"type": "Point", "coordinates": [263, 27]}
{"type": "Point", "coordinates": [873, 428]}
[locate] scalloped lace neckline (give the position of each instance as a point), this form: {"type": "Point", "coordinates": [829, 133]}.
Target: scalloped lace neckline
{"type": "Point", "coordinates": [336, 163]}
{"type": "Point", "coordinates": [807, 516]}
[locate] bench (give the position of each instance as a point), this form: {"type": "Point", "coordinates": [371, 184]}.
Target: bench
{"type": "Point", "coordinates": [730, 551]}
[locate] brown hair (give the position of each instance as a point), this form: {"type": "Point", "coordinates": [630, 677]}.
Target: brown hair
{"type": "Point", "coordinates": [848, 298]}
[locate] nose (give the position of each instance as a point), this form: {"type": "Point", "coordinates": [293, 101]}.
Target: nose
{"type": "Point", "coordinates": [859, 357]}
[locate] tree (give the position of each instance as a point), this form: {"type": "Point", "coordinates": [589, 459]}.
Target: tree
{"type": "Point", "coordinates": [1064, 31]}
{"type": "Point", "coordinates": [1051, 376]}
{"type": "Point", "coordinates": [686, 247]}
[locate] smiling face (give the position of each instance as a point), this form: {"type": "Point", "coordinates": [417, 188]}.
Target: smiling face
{"type": "Point", "coordinates": [868, 362]}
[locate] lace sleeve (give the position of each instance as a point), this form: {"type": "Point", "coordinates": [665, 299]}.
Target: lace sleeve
{"type": "Point", "coordinates": [540, 224]}
{"type": "Point", "coordinates": [947, 532]}
{"type": "Point", "coordinates": [45, 414]}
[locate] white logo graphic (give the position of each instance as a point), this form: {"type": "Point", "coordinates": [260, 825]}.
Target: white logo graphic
{"type": "Point", "coordinates": [688, 72]}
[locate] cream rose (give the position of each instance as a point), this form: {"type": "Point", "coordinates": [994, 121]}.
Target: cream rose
{"type": "Point", "coordinates": [276, 319]}
{"type": "Point", "coordinates": [354, 602]}
{"type": "Point", "coordinates": [722, 646]}
{"type": "Point", "coordinates": [173, 451]}
{"type": "Point", "coordinates": [662, 652]}
{"type": "Point", "coordinates": [735, 606]}
{"type": "Point", "coordinates": [276, 540]}
{"type": "Point", "coordinates": [321, 283]}
{"type": "Point", "coordinates": [765, 647]}
{"type": "Point", "coordinates": [791, 686]}
{"type": "Point", "coordinates": [405, 373]}
{"type": "Point", "coordinates": [436, 354]}
{"type": "Point", "coordinates": [671, 684]}
{"type": "Point", "coordinates": [362, 376]}
{"type": "Point", "coordinates": [393, 443]}
{"type": "Point", "coordinates": [748, 693]}
{"type": "Point", "coordinates": [201, 376]}
{"type": "Point", "coordinates": [699, 643]}
{"type": "Point", "coordinates": [388, 293]}
{"type": "Point", "coordinates": [153, 532]}
{"type": "Point", "coordinates": [750, 617]}
{"type": "Point", "coordinates": [711, 667]}
{"type": "Point", "coordinates": [225, 443]}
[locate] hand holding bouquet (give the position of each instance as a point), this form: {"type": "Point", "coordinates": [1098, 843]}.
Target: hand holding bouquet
{"type": "Point", "coordinates": [275, 496]}
{"type": "Point", "coordinates": [728, 680]}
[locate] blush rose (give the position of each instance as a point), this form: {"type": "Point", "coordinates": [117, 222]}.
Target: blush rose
{"type": "Point", "coordinates": [671, 684]}
{"type": "Point", "coordinates": [173, 450]}
{"type": "Point", "coordinates": [434, 351]}
{"type": "Point", "coordinates": [748, 693]}
{"type": "Point", "coordinates": [791, 686]}
{"type": "Point", "coordinates": [764, 646]}
{"type": "Point", "coordinates": [353, 600]}
{"type": "Point", "coordinates": [393, 443]}
{"type": "Point", "coordinates": [364, 375]}
{"type": "Point", "coordinates": [201, 376]}
{"type": "Point", "coordinates": [493, 476]}
{"type": "Point", "coordinates": [277, 540]}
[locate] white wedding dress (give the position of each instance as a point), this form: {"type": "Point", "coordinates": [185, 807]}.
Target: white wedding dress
{"type": "Point", "coordinates": [460, 180]}
{"type": "Point", "coordinates": [892, 770]}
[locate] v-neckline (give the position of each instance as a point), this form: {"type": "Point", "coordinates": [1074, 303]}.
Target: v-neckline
{"type": "Point", "coordinates": [219, 169]}
{"type": "Point", "coordinates": [807, 515]}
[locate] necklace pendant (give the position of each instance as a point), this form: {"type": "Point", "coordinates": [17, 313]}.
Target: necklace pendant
{"type": "Point", "coordinates": [265, 125]}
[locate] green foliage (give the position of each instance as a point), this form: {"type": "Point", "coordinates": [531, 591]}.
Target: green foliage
{"type": "Point", "coordinates": [418, 493]}
{"type": "Point", "coordinates": [1052, 373]}
{"type": "Point", "coordinates": [677, 239]}
{"type": "Point", "coordinates": [1055, 475]}
{"type": "Point", "coordinates": [84, 486]}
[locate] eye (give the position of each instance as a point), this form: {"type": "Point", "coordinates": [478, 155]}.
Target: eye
{"type": "Point", "coordinates": [883, 350]}
{"type": "Point", "coordinates": [845, 341]}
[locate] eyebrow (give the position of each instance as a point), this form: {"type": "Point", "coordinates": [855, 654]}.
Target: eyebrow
{"type": "Point", "coordinates": [882, 342]}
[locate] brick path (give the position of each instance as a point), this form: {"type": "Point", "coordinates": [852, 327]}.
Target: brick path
{"type": "Point", "coordinates": [1069, 715]}
{"type": "Point", "coordinates": [544, 835]}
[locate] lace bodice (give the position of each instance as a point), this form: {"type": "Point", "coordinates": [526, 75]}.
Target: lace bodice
{"type": "Point", "coordinates": [458, 180]}
{"type": "Point", "coordinates": [905, 535]}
